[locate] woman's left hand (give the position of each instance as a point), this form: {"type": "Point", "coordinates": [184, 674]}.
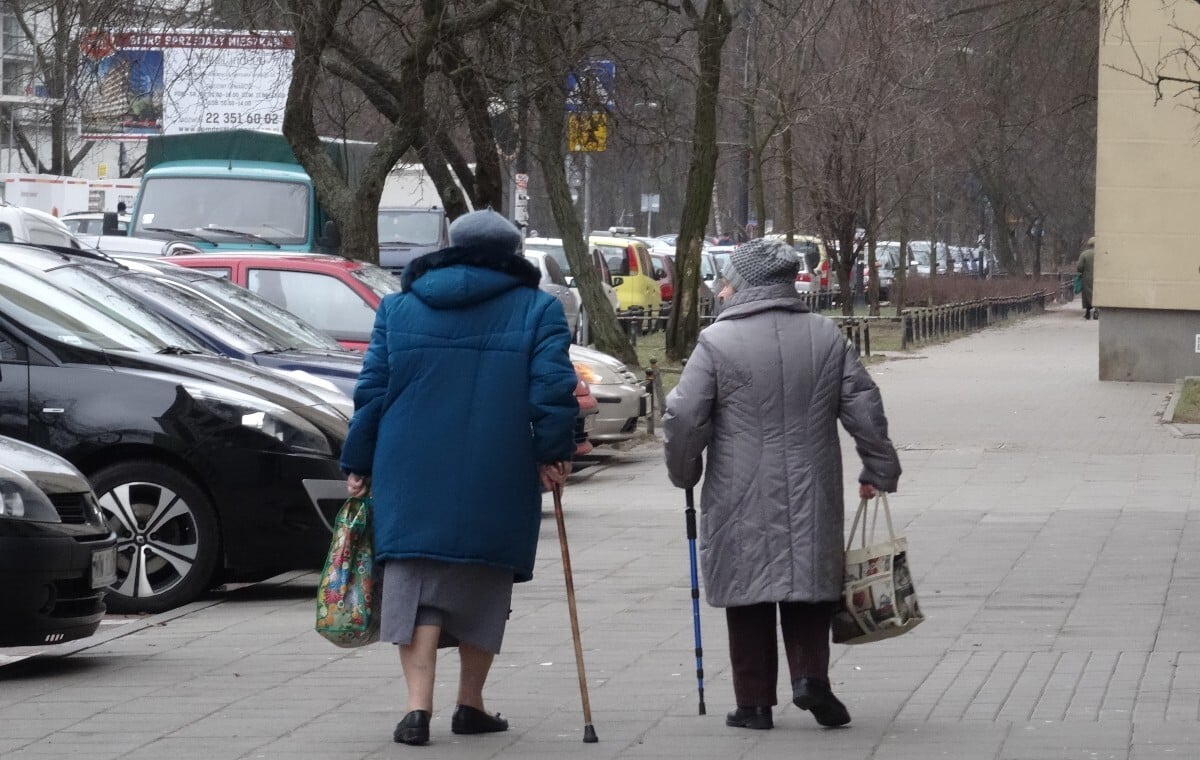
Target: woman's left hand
{"type": "Point", "coordinates": [867, 491]}
{"type": "Point", "coordinates": [357, 485]}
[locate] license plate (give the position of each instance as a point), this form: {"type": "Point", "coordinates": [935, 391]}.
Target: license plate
{"type": "Point", "coordinates": [104, 567]}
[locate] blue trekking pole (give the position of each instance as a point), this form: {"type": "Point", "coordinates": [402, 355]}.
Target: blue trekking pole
{"type": "Point", "coordinates": [690, 513]}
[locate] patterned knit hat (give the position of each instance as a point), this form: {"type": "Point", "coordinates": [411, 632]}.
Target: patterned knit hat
{"type": "Point", "coordinates": [762, 262]}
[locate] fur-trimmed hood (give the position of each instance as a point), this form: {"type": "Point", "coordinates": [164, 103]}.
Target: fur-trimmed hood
{"type": "Point", "coordinates": [459, 276]}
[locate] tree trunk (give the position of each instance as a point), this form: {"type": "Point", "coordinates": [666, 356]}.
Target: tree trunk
{"type": "Point", "coordinates": [549, 147]}
{"type": "Point", "coordinates": [684, 325]}
{"type": "Point", "coordinates": [789, 185]}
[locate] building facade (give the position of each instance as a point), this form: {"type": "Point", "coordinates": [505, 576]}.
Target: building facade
{"type": "Point", "coordinates": [1147, 276]}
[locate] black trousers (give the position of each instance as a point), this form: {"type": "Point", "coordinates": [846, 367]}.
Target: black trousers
{"type": "Point", "coordinates": [754, 651]}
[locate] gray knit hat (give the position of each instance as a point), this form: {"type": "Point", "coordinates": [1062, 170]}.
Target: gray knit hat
{"type": "Point", "coordinates": [761, 262]}
{"type": "Point", "coordinates": [485, 228]}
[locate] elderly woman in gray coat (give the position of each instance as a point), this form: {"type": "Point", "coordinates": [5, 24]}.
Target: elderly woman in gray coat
{"type": "Point", "coordinates": [763, 392]}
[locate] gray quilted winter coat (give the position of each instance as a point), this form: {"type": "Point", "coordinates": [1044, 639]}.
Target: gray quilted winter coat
{"type": "Point", "coordinates": [763, 392]}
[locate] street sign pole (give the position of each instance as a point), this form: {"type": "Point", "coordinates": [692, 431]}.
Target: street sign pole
{"type": "Point", "coordinates": [587, 194]}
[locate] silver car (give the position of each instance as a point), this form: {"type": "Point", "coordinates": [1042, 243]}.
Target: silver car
{"type": "Point", "coordinates": [554, 282]}
{"type": "Point", "coordinates": [622, 399]}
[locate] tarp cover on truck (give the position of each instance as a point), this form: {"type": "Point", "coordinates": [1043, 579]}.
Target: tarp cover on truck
{"type": "Point", "coordinates": [248, 145]}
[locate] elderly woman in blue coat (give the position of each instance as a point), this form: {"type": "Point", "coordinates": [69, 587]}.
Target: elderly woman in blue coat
{"type": "Point", "coordinates": [464, 411]}
{"type": "Point", "coordinates": [761, 398]}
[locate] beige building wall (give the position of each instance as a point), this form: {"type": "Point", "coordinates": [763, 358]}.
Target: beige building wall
{"type": "Point", "coordinates": [1147, 200]}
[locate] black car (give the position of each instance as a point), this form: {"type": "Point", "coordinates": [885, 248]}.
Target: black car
{"type": "Point", "coordinates": [207, 321]}
{"type": "Point", "coordinates": [57, 554]}
{"type": "Point", "coordinates": [206, 468]}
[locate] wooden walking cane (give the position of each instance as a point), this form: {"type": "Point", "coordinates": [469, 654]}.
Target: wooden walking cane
{"type": "Point", "coordinates": [589, 733]}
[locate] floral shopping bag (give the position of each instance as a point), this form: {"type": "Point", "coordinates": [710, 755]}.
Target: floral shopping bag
{"type": "Point", "coordinates": [350, 585]}
{"type": "Point", "coordinates": [879, 600]}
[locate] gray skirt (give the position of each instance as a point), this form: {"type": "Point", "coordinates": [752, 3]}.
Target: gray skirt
{"type": "Point", "coordinates": [470, 602]}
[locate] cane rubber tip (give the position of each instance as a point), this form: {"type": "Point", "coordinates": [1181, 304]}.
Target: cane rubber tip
{"type": "Point", "coordinates": [589, 734]}
{"type": "Point", "coordinates": [702, 711]}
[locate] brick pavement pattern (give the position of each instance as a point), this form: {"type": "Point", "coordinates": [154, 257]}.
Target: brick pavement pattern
{"type": "Point", "coordinates": [1053, 533]}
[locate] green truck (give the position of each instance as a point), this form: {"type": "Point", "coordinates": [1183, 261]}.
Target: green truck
{"type": "Point", "coordinates": [237, 189]}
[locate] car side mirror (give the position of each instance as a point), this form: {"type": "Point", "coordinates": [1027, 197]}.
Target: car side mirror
{"type": "Point", "coordinates": [618, 282]}
{"type": "Point", "coordinates": [331, 236]}
{"type": "Point", "coordinates": [659, 274]}
{"type": "Point", "coordinates": [708, 277]}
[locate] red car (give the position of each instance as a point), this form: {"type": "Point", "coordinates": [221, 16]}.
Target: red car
{"type": "Point", "coordinates": [336, 294]}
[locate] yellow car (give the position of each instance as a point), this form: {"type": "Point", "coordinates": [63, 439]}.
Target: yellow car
{"type": "Point", "coordinates": [638, 293]}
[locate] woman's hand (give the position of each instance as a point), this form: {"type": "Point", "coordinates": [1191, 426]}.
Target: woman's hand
{"type": "Point", "coordinates": [554, 474]}
{"type": "Point", "coordinates": [867, 491]}
{"type": "Point", "coordinates": [357, 485]}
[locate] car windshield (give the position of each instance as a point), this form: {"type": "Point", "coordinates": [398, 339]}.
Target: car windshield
{"type": "Point", "coordinates": [557, 253]}
{"type": "Point", "coordinates": [212, 318]}
{"type": "Point", "coordinates": [222, 210]}
{"type": "Point", "coordinates": [418, 226]}
{"type": "Point", "coordinates": [58, 311]}
{"type": "Point", "coordinates": [284, 326]}
{"type": "Point", "coordinates": [377, 279]}
{"type": "Point", "coordinates": [887, 255]}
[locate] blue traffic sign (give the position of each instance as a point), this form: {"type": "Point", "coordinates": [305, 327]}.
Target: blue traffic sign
{"type": "Point", "coordinates": [591, 88]}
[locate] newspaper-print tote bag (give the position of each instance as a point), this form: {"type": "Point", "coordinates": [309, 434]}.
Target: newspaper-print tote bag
{"type": "Point", "coordinates": [879, 600]}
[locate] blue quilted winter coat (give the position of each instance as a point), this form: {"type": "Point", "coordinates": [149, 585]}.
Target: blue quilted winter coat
{"type": "Point", "coordinates": [465, 389]}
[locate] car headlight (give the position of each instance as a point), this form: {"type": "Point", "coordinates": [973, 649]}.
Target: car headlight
{"type": "Point", "coordinates": [256, 413]}
{"type": "Point", "coordinates": [594, 373]}
{"type": "Point", "coordinates": [20, 499]}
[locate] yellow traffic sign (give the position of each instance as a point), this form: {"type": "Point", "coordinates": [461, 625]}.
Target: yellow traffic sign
{"type": "Point", "coordinates": [587, 132]}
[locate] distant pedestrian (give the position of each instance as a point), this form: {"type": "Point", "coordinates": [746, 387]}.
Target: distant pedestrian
{"type": "Point", "coordinates": [1086, 269]}
{"type": "Point", "coordinates": [763, 393]}
{"type": "Point", "coordinates": [464, 410]}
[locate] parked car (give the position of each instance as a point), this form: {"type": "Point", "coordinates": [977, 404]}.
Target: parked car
{"type": "Point", "coordinates": [554, 282]}
{"type": "Point", "coordinates": [554, 247]}
{"type": "Point", "coordinates": [57, 553]}
{"type": "Point", "coordinates": [335, 294]}
{"type": "Point", "coordinates": [205, 324]}
{"type": "Point", "coordinates": [83, 223]}
{"type": "Point", "coordinates": [628, 260]}
{"type": "Point", "coordinates": [664, 263]}
{"type": "Point", "coordinates": [887, 261]}
{"type": "Point", "coordinates": [622, 399]}
{"type": "Point", "coordinates": [921, 256]}
{"type": "Point", "coordinates": [586, 419]}
{"type": "Point", "coordinates": [206, 468]}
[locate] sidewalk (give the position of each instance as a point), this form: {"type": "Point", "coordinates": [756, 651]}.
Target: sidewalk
{"type": "Point", "coordinates": [1052, 523]}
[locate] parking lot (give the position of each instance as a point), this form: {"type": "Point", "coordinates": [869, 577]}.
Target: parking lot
{"type": "Point", "coordinates": [1053, 535]}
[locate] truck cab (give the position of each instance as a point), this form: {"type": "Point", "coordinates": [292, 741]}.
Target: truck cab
{"type": "Point", "coordinates": [237, 189]}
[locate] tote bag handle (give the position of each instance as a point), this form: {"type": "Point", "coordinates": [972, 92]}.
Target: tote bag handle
{"type": "Point", "coordinates": [861, 516]}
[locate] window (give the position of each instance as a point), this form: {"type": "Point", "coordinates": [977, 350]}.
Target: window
{"type": "Point", "coordinates": [47, 235]}
{"type": "Point", "coordinates": [616, 258]}
{"type": "Point", "coordinates": [324, 301]}
{"type": "Point", "coordinates": [18, 77]}
{"type": "Point", "coordinates": [6, 235]}
{"type": "Point", "coordinates": [225, 272]}
{"type": "Point", "coordinates": [10, 350]}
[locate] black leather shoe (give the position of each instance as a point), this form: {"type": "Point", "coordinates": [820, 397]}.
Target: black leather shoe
{"type": "Point", "coordinates": [468, 720]}
{"type": "Point", "coordinates": [750, 717]}
{"type": "Point", "coordinates": [413, 729]}
{"type": "Point", "coordinates": [816, 696]}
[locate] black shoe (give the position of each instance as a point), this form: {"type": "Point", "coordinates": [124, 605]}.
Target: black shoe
{"type": "Point", "coordinates": [815, 695]}
{"type": "Point", "coordinates": [413, 729]}
{"type": "Point", "coordinates": [1087, 314]}
{"type": "Point", "coordinates": [468, 720]}
{"type": "Point", "coordinates": [750, 717]}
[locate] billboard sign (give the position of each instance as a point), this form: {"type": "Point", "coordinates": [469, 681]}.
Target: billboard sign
{"type": "Point", "coordinates": [137, 84]}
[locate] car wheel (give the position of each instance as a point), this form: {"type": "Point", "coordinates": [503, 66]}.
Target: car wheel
{"type": "Point", "coordinates": [167, 537]}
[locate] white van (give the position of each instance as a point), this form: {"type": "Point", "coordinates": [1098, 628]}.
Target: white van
{"type": "Point", "coordinates": [27, 225]}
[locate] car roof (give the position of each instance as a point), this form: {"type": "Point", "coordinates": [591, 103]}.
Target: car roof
{"type": "Point", "coordinates": [322, 261]}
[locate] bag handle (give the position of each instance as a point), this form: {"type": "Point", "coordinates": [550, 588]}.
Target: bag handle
{"type": "Point", "coordinates": [861, 515]}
